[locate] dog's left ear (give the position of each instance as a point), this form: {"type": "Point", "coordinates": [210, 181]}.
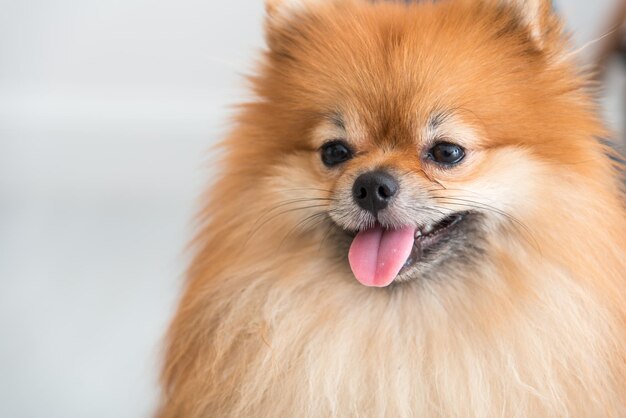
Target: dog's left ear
{"type": "Point", "coordinates": [537, 16]}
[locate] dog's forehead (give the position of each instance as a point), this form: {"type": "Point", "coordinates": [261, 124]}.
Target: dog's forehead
{"type": "Point", "coordinates": [391, 131]}
{"type": "Point", "coordinates": [365, 127]}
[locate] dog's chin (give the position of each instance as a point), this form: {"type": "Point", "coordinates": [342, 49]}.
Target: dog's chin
{"type": "Point", "coordinates": [440, 250]}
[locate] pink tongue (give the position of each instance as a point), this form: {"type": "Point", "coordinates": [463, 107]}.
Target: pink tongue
{"type": "Point", "coordinates": [377, 255]}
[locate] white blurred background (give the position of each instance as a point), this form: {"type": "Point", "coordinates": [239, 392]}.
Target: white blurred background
{"type": "Point", "coordinates": [108, 110]}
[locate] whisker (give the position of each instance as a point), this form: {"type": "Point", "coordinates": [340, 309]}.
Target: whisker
{"type": "Point", "coordinates": [286, 203]}
{"type": "Point", "coordinates": [479, 205]}
{"type": "Point", "coordinates": [308, 188]}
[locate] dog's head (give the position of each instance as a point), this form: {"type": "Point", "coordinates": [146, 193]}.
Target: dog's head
{"type": "Point", "coordinates": [415, 132]}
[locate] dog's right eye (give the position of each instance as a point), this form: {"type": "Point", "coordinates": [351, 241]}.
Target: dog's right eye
{"type": "Point", "coordinates": [446, 153]}
{"type": "Point", "coordinates": [335, 152]}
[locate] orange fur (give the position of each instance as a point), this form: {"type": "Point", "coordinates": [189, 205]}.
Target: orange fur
{"type": "Point", "coordinates": [272, 322]}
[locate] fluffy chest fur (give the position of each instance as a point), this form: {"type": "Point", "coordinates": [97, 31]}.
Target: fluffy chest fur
{"type": "Point", "coordinates": [306, 339]}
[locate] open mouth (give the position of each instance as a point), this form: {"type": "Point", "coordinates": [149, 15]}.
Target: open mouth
{"type": "Point", "coordinates": [378, 255]}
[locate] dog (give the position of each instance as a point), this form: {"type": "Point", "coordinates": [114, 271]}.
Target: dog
{"type": "Point", "coordinates": [416, 216]}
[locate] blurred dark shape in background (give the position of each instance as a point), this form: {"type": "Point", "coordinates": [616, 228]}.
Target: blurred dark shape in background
{"type": "Point", "coordinates": [611, 56]}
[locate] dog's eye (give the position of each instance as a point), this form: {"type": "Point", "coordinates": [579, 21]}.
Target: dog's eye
{"type": "Point", "coordinates": [335, 152]}
{"type": "Point", "coordinates": [446, 153]}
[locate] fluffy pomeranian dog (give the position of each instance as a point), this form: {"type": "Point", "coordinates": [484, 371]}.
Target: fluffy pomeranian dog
{"type": "Point", "coordinates": [414, 218]}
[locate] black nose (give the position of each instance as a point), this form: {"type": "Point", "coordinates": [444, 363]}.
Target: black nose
{"type": "Point", "coordinates": [373, 190]}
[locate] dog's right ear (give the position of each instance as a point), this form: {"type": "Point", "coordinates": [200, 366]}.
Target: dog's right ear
{"type": "Point", "coordinates": [281, 25]}
{"type": "Point", "coordinates": [275, 7]}
{"type": "Point", "coordinates": [283, 9]}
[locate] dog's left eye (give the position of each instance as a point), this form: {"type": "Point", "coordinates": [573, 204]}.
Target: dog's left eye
{"type": "Point", "coordinates": [335, 152]}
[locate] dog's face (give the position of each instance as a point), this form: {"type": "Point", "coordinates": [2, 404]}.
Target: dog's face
{"type": "Point", "coordinates": [418, 132]}
{"type": "Point", "coordinates": [409, 198]}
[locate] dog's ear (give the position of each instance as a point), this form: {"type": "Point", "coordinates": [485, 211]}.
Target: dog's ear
{"type": "Point", "coordinates": [282, 30]}
{"type": "Point", "coordinates": [281, 9]}
{"type": "Point", "coordinates": [276, 7]}
{"type": "Point", "coordinates": [537, 16]}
